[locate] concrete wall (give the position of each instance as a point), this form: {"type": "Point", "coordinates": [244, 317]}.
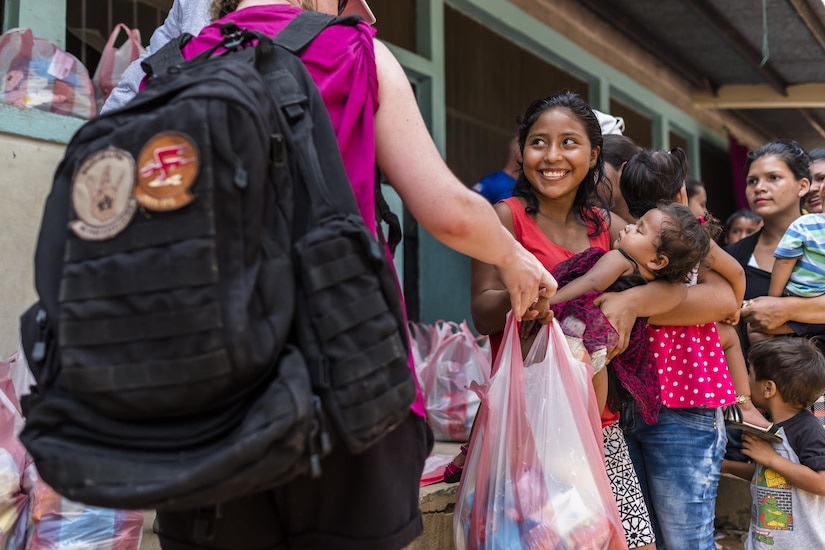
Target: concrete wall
{"type": "Point", "coordinates": [26, 170]}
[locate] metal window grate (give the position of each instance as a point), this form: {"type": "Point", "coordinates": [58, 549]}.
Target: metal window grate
{"type": "Point", "coordinates": [89, 23]}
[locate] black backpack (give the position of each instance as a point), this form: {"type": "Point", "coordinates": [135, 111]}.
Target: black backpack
{"type": "Point", "coordinates": [211, 303]}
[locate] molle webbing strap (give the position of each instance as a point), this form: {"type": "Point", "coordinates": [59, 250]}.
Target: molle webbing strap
{"type": "Point", "coordinates": [350, 315]}
{"type": "Point", "coordinates": [198, 222]}
{"type": "Point", "coordinates": [357, 366]}
{"type": "Point", "coordinates": [194, 273]}
{"type": "Point", "coordinates": [144, 327]}
{"type": "Point", "coordinates": [155, 373]}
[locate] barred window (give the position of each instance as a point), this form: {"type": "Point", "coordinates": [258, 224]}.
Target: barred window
{"type": "Point", "coordinates": [90, 22]}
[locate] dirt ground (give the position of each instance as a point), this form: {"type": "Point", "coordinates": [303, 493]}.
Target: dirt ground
{"type": "Point", "coordinates": [731, 540]}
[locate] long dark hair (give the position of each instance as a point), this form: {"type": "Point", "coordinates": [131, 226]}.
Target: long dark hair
{"type": "Point", "coordinates": [586, 195]}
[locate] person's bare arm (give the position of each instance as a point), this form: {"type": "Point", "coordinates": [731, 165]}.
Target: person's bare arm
{"type": "Point", "coordinates": [726, 265]}
{"type": "Point", "coordinates": [623, 308]}
{"type": "Point", "coordinates": [798, 475]}
{"type": "Point", "coordinates": [604, 273]}
{"type": "Point", "coordinates": [709, 301]}
{"type": "Point", "coordinates": [453, 214]}
{"type": "Point", "coordinates": [768, 313]}
{"type": "Point", "coordinates": [780, 275]}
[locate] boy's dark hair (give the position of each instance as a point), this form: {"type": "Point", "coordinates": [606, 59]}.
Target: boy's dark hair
{"type": "Point", "coordinates": [795, 365]}
{"type": "Point", "coordinates": [684, 239]}
{"type": "Point", "coordinates": [586, 196]}
{"type": "Point", "coordinates": [652, 176]}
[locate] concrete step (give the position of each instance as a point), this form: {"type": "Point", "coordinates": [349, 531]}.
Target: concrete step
{"type": "Point", "coordinates": [437, 503]}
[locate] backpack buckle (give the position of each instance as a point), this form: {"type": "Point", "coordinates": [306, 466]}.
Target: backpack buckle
{"type": "Point", "coordinates": [233, 36]}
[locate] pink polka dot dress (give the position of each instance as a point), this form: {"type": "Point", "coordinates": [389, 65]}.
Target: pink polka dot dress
{"type": "Point", "coordinates": [691, 366]}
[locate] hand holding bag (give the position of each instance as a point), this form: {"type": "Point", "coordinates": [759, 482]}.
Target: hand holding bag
{"type": "Point", "coordinates": [535, 477]}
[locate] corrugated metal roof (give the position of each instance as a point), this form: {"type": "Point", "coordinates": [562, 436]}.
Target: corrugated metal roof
{"type": "Point", "coordinates": [715, 44]}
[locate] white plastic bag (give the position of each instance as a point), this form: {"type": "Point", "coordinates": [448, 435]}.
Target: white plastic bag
{"type": "Point", "coordinates": [449, 357]}
{"type": "Point", "coordinates": [114, 60]}
{"type": "Point", "coordinates": [535, 478]}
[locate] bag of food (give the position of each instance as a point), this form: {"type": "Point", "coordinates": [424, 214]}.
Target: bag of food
{"type": "Point", "coordinates": [535, 476]}
{"type": "Point", "coordinates": [114, 60]}
{"type": "Point", "coordinates": [38, 75]}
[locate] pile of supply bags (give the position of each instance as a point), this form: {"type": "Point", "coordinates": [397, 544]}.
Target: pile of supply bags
{"type": "Point", "coordinates": [32, 515]}
{"type": "Point", "coordinates": [448, 359]}
{"type": "Point", "coordinates": [39, 75]}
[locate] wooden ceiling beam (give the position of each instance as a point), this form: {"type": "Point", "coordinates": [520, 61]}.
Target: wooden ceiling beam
{"type": "Point", "coordinates": [717, 20]}
{"type": "Point", "coordinates": [814, 24]}
{"type": "Point", "coordinates": [762, 96]}
{"type": "Point", "coordinates": [630, 28]}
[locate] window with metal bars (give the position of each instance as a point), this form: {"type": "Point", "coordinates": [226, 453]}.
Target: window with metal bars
{"type": "Point", "coordinates": [90, 22]}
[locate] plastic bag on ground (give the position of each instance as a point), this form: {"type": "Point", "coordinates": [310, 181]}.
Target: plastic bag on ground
{"type": "Point", "coordinates": [449, 357]}
{"type": "Point", "coordinates": [38, 75]}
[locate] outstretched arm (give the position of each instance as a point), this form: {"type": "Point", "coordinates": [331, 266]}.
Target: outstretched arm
{"type": "Point", "coordinates": [604, 273]}
{"type": "Point", "coordinates": [453, 214]}
{"type": "Point", "coordinates": [769, 313]}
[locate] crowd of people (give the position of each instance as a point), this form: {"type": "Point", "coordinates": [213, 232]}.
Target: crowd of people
{"type": "Point", "coordinates": [712, 366]}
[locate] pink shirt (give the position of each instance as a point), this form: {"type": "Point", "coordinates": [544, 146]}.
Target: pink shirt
{"type": "Point", "coordinates": [341, 61]}
{"type": "Point", "coordinates": [691, 366]}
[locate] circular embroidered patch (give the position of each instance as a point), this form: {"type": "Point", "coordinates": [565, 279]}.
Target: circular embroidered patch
{"type": "Point", "coordinates": [167, 167]}
{"type": "Point", "coordinates": [102, 194]}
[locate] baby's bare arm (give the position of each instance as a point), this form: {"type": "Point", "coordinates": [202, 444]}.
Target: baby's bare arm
{"type": "Point", "coordinates": [604, 273]}
{"type": "Point", "coordinates": [780, 275]}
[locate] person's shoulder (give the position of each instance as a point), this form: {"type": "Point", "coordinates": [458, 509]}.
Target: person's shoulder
{"type": "Point", "coordinates": [805, 433]}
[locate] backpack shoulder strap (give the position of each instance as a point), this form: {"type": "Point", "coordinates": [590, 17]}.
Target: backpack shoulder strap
{"type": "Point", "coordinates": [169, 55]}
{"type": "Point", "coordinates": [303, 29]}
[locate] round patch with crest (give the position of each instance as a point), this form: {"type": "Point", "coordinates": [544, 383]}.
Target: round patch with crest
{"type": "Point", "coordinates": [102, 194]}
{"type": "Point", "coordinates": [167, 167]}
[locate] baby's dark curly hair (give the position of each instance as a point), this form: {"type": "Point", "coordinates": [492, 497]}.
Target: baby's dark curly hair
{"type": "Point", "coordinates": [685, 240]}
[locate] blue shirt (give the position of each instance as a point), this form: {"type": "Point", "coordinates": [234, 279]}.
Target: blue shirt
{"type": "Point", "coordinates": [496, 186]}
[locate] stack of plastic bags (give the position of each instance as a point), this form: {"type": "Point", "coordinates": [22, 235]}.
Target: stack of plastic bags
{"type": "Point", "coordinates": [38, 75]}
{"type": "Point", "coordinates": [448, 359]}
{"type": "Point", "coordinates": [32, 515]}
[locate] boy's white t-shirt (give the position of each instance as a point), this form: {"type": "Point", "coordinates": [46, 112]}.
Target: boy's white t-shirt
{"type": "Point", "coordinates": [782, 516]}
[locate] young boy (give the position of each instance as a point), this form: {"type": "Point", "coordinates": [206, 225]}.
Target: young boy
{"type": "Point", "coordinates": [787, 374]}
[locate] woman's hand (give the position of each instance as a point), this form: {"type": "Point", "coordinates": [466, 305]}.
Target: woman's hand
{"type": "Point", "coordinates": [543, 315]}
{"type": "Point", "coordinates": [620, 310]}
{"type": "Point", "coordinates": [764, 313]}
{"type": "Point", "coordinates": [522, 280]}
